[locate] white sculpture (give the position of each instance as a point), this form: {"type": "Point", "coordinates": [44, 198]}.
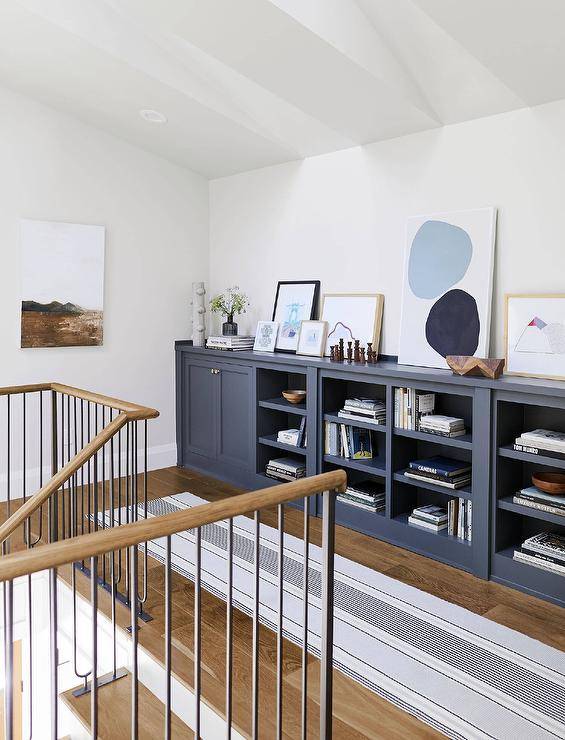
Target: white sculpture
{"type": "Point", "coordinates": [198, 311]}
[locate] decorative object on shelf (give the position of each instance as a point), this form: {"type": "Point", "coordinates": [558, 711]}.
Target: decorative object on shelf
{"type": "Point", "coordinates": [266, 336]}
{"type": "Point", "coordinates": [234, 343]}
{"type": "Point", "coordinates": [480, 366]}
{"type": "Point", "coordinates": [230, 303]}
{"type": "Point", "coordinates": [295, 301]}
{"type": "Point", "coordinates": [312, 338]}
{"type": "Point", "coordinates": [198, 314]}
{"type": "Point", "coordinates": [62, 284]}
{"type": "Point", "coordinates": [353, 316]}
{"type": "Point", "coordinates": [446, 300]}
{"type": "Point", "coordinates": [294, 396]}
{"type": "Point", "coordinates": [534, 333]}
{"type": "Point", "coordinates": [553, 483]}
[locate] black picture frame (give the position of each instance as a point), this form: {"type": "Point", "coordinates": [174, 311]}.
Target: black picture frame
{"type": "Point", "coordinates": [313, 308]}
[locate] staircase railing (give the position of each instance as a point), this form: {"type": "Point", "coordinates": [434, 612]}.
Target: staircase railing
{"type": "Point", "coordinates": [134, 537]}
{"type": "Point", "coordinates": [67, 456]}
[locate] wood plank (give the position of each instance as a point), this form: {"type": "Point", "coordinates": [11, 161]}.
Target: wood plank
{"type": "Point", "coordinates": [545, 629]}
{"type": "Point", "coordinates": [114, 715]}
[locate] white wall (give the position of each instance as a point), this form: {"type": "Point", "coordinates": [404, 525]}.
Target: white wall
{"type": "Point", "coordinates": [55, 168]}
{"type": "Point", "coordinates": [341, 217]}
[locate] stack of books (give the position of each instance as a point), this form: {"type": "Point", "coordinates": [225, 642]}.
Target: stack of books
{"type": "Point", "coordinates": [410, 406]}
{"type": "Point", "coordinates": [365, 494]}
{"type": "Point", "coordinates": [443, 426]}
{"type": "Point", "coordinates": [233, 344]}
{"type": "Point", "coordinates": [430, 517]}
{"type": "Point", "coordinates": [294, 437]}
{"type": "Point", "coordinates": [285, 469]}
{"type": "Point", "coordinates": [364, 409]}
{"type": "Point", "coordinates": [544, 550]}
{"type": "Point", "coordinates": [541, 442]}
{"type": "Point", "coordinates": [460, 518]}
{"type": "Point", "coordinates": [341, 440]}
{"type": "Point", "coordinates": [536, 499]}
{"type": "Point", "coordinates": [441, 471]}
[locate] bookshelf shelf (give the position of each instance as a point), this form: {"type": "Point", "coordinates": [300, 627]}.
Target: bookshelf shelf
{"type": "Point", "coordinates": [271, 441]}
{"type": "Point", "coordinates": [374, 466]}
{"type": "Point", "coordinates": [464, 492]}
{"type": "Point", "coordinates": [508, 505]}
{"type": "Point", "coordinates": [465, 442]}
{"type": "Point", "coordinates": [526, 577]}
{"type": "Point", "coordinates": [380, 428]}
{"type": "Point", "coordinates": [281, 404]}
{"type": "Point", "coordinates": [509, 452]}
{"type": "Point", "coordinates": [454, 541]}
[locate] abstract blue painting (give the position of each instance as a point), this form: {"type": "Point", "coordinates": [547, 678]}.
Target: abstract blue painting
{"type": "Point", "coordinates": [447, 292]}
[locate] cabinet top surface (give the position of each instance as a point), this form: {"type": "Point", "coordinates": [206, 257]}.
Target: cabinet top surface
{"type": "Point", "coordinates": [383, 368]}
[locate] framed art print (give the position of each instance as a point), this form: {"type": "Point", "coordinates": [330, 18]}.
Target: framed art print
{"type": "Point", "coordinates": [534, 335]}
{"type": "Point", "coordinates": [312, 338]}
{"type": "Point", "coordinates": [295, 301]}
{"type": "Point", "coordinates": [352, 316]}
{"type": "Point", "coordinates": [266, 336]}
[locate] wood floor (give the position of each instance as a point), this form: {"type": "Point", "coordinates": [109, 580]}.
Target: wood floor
{"type": "Point", "coordinates": [358, 713]}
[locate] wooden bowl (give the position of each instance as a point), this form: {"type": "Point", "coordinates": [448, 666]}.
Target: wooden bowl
{"type": "Point", "coordinates": [294, 396]}
{"type": "Point", "coordinates": [553, 483]}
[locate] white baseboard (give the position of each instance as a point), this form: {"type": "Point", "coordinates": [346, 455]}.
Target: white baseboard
{"type": "Point", "coordinates": [160, 456]}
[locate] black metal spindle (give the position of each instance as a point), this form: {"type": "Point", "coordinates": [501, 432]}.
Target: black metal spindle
{"type": "Point", "coordinates": [9, 660]}
{"type": "Point", "coordinates": [197, 629]}
{"type": "Point", "coordinates": [255, 659]}
{"type": "Point", "coordinates": [94, 677]}
{"type": "Point", "coordinates": [229, 629]}
{"type": "Point", "coordinates": [53, 652]}
{"type": "Point", "coordinates": [305, 620]}
{"type": "Point", "coordinates": [326, 661]}
{"type": "Point", "coordinates": [144, 592]}
{"type": "Point", "coordinates": [134, 665]}
{"type": "Point", "coordinates": [168, 605]}
{"type": "Point", "coordinates": [62, 463]}
{"type": "Point", "coordinates": [280, 600]}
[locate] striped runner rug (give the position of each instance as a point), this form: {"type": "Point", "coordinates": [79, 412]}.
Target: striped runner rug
{"type": "Point", "coordinates": [459, 672]}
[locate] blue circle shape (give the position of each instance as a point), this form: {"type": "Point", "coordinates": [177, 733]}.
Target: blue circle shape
{"type": "Point", "coordinates": [440, 255]}
{"type": "Point", "coordinates": [453, 325]}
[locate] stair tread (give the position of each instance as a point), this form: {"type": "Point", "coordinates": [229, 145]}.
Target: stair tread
{"type": "Point", "coordinates": [114, 715]}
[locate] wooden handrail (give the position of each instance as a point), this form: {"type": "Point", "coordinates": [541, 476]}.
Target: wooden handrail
{"type": "Point", "coordinates": [127, 535]}
{"type": "Point", "coordinates": [128, 412]}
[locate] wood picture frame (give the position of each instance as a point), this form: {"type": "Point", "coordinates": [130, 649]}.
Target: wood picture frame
{"type": "Point", "coordinates": [318, 347]}
{"type": "Point", "coordinates": [290, 312]}
{"type": "Point", "coordinates": [376, 300]}
{"type": "Point", "coordinates": [544, 346]}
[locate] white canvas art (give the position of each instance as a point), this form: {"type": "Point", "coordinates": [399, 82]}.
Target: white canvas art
{"type": "Point", "coordinates": [62, 284]}
{"type": "Point", "coordinates": [447, 291]}
{"type": "Point", "coordinates": [351, 317]}
{"type": "Point", "coordinates": [535, 335]}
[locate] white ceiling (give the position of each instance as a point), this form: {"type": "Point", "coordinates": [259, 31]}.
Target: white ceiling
{"type": "Point", "coordinates": [249, 83]}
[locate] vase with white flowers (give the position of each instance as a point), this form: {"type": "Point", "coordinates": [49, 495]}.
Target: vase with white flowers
{"type": "Point", "coordinates": [230, 303]}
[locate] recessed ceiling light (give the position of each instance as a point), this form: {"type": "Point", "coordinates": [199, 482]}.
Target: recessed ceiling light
{"type": "Point", "coordinates": [153, 116]}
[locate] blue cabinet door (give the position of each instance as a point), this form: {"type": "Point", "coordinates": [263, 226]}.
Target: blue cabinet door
{"type": "Point", "coordinates": [235, 438]}
{"type": "Point", "coordinates": [199, 408]}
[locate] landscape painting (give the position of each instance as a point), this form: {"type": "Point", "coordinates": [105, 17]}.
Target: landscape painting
{"type": "Point", "coordinates": [62, 284]}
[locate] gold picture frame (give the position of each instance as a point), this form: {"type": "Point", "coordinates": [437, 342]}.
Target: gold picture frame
{"type": "Point", "coordinates": [535, 325]}
{"type": "Point", "coordinates": [372, 335]}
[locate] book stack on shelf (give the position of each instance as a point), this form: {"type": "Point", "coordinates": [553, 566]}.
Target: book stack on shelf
{"type": "Point", "coordinates": [285, 469]}
{"type": "Point", "coordinates": [342, 440]}
{"type": "Point", "coordinates": [430, 517]}
{"type": "Point", "coordinates": [366, 495]}
{"type": "Point", "coordinates": [232, 344]}
{"type": "Point", "coordinates": [442, 426]}
{"type": "Point", "coordinates": [460, 518]}
{"type": "Point", "coordinates": [441, 471]}
{"type": "Point", "coordinates": [541, 442]}
{"type": "Point", "coordinates": [534, 498]}
{"type": "Point", "coordinates": [410, 406]}
{"type": "Point", "coordinates": [294, 437]}
{"type": "Point", "coordinates": [364, 409]}
{"type": "Point", "coordinates": [545, 550]}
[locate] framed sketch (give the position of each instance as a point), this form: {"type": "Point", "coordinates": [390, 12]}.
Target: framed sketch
{"type": "Point", "coordinates": [312, 338]}
{"type": "Point", "coordinates": [447, 291]}
{"type": "Point", "coordinates": [295, 301]}
{"type": "Point", "coordinates": [534, 335]}
{"type": "Point", "coordinates": [62, 284]}
{"type": "Point", "coordinates": [266, 336]}
{"type": "Point", "coordinates": [352, 316]}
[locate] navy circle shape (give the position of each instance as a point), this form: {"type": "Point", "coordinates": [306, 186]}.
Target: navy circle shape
{"type": "Point", "coordinates": [453, 325]}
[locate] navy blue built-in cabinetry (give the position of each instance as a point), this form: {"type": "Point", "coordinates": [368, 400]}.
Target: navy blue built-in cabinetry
{"type": "Point", "coordinates": [230, 408]}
